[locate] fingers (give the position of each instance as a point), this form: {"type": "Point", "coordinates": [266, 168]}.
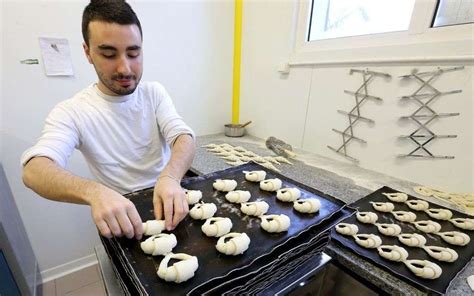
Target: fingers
{"type": "Point", "coordinates": [181, 209]}
{"type": "Point", "coordinates": [114, 225]}
{"type": "Point", "coordinates": [125, 224]}
{"type": "Point", "coordinates": [104, 229]}
{"type": "Point", "coordinates": [136, 222]}
{"type": "Point", "coordinates": [157, 206]}
{"type": "Point", "coordinates": [168, 211]}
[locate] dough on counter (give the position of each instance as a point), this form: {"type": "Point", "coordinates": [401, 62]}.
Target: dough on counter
{"type": "Point", "coordinates": [159, 244]}
{"type": "Point", "coordinates": [412, 239]}
{"type": "Point", "coordinates": [216, 226]}
{"type": "Point", "coordinates": [238, 196]}
{"type": "Point", "coordinates": [389, 229]}
{"type": "Point", "coordinates": [240, 149]}
{"type": "Point", "coordinates": [463, 223]}
{"type": "Point", "coordinates": [275, 223]}
{"type": "Point", "coordinates": [424, 268]}
{"type": "Point", "coordinates": [308, 205]}
{"type": "Point", "coordinates": [180, 271]}
{"type": "Point", "coordinates": [224, 185]}
{"type": "Point", "coordinates": [347, 229]}
{"type": "Point", "coordinates": [192, 196]}
{"type": "Point", "coordinates": [255, 176]}
{"type": "Point", "coordinates": [271, 159]}
{"type": "Point", "coordinates": [259, 159]}
{"type": "Point", "coordinates": [233, 243]}
{"type": "Point", "coordinates": [393, 253]}
{"type": "Point", "coordinates": [367, 217]}
{"type": "Point", "coordinates": [417, 204]}
{"type": "Point", "coordinates": [440, 214]}
{"type": "Point", "coordinates": [404, 216]}
{"type": "Point", "coordinates": [427, 226]}
{"type": "Point", "coordinates": [455, 238]}
{"type": "Point", "coordinates": [368, 241]}
{"type": "Point", "coordinates": [441, 254]}
{"type": "Point", "coordinates": [423, 191]}
{"type": "Point", "coordinates": [288, 194]}
{"type": "Point", "coordinates": [231, 158]}
{"type": "Point", "coordinates": [152, 227]}
{"type": "Point", "coordinates": [210, 146]}
{"type": "Point", "coordinates": [397, 196]}
{"type": "Point", "coordinates": [256, 208]}
{"type": "Point", "coordinates": [269, 166]}
{"type": "Point", "coordinates": [216, 150]}
{"type": "Point", "coordinates": [383, 206]}
{"type": "Point", "coordinates": [270, 184]}
{"type": "Point", "coordinates": [282, 159]}
{"type": "Point", "coordinates": [203, 211]}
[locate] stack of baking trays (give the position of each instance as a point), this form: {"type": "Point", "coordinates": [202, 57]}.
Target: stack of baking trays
{"type": "Point", "coordinates": [269, 258]}
{"type": "Point", "coordinates": [420, 242]}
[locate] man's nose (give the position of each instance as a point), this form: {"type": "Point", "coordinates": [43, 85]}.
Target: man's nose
{"type": "Point", "coordinates": [123, 65]}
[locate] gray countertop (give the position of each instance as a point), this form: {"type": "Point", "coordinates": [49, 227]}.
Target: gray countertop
{"type": "Point", "coordinates": [342, 180]}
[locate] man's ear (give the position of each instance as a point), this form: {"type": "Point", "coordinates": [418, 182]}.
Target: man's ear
{"type": "Point", "coordinates": [87, 52]}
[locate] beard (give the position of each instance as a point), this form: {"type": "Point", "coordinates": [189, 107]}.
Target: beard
{"type": "Point", "coordinates": [114, 86]}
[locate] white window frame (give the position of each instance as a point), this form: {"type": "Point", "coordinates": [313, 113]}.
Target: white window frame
{"type": "Point", "coordinates": [420, 43]}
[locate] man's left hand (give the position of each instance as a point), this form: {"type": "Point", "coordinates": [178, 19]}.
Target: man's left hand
{"type": "Point", "coordinates": [169, 201]}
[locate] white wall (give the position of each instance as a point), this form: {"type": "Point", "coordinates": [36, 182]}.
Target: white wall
{"type": "Point", "coordinates": [187, 47]}
{"type": "Point", "coordinates": [300, 107]}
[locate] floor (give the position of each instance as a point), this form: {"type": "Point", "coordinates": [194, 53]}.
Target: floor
{"type": "Point", "coordinates": [84, 282]}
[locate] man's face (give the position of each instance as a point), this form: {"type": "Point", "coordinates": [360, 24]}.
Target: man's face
{"type": "Point", "coordinates": [116, 53]}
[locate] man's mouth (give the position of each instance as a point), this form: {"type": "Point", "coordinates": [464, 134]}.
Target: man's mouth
{"type": "Point", "coordinates": [125, 82]}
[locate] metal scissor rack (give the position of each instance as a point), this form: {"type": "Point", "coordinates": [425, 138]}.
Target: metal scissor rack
{"type": "Point", "coordinates": [354, 114]}
{"type": "Point", "coordinates": [425, 114]}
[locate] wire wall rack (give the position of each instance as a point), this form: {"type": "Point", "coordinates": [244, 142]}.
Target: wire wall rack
{"type": "Point", "coordinates": [354, 115]}
{"type": "Point", "coordinates": [425, 95]}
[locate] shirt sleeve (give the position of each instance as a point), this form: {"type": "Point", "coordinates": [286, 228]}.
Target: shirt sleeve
{"type": "Point", "coordinates": [59, 138]}
{"type": "Point", "coordinates": [170, 123]}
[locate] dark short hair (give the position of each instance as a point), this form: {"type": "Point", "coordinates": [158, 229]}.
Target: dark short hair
{"type": "Point", "coordinates": [110, 11]}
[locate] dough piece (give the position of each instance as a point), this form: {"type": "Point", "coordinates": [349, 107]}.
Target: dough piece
{"type": "Point", "coordinates": [259, 159]}
{"type": "Point", "coordinates": [240, 149]}
{"type": "Point", "coordinates": [404, 216]}
{"type": "Point", "coordinates": [455, 238]}
{"type": "Point", "coordinates": [256, 208]}
{"type": "Point", "coordinates": [383, 206]}
{"type": "Point", "coordinates": [441, 254]}
{"type": "Point", "coordinates": [216, 226]}
{"type": "Point", "coordinates": [288, 194]}
{"type": "Point", "coordinates": [427, 226]}
{"type": "Point", "coordinates": [216, 150]}
{"type": "Point", "coordinates": [203, 211]}
{"type": "Point", "coordinates": [282, 159]}
{"type": "Point", "coordinates": [397, 197]}
{"type": "Point", "coordinates": [233, 243]}
{"type": "Point", "coordinates": [412, 239]}
{"type": "Point", "coordinates": [369, 241]}
{"type": "Point", "coordinates": [424, 268]}
{"type": "Point", "coordinates": [210, 146]}
{"type": "Point", "coordinates": [271, 159]}
{"type": "Point", "coordinates": [423, 191]}
{"type": "Point", "coordinates": [180, 271]}
{"type": "Point", "coordinates": [224, 185]}
{"type": "Point", "coordinates": [236, 163]}
{"type": "Point", "coordinates": [389, 229]}
{"type": "Point", "coordinates": [393, 253]}
{"type": "Point", "coordinates": [270, 184]}
{"type": "Point", "coordinates": [249, 153]}
{"type": "Point", "coordinates": [245, 159]}
{"type": "Point", "coordinates": [347, 229]}
{"type": "Point", "coordinates": [238, 196]}
{"type": "Point", "coordinates": [152, 227]}
{"type": "Point", "coordinates": [224, 154]}
{"type": "Point", "coordinates": [417, 204]}
{"type": "Point", "coordinates": [270, 166]}
{"type": "Point", "coordinates": [308, 205]}
{"type": "Point", "coordinates": [159, 244]}
{"type": "Point", "coordinates": [193, 196]}
{"type": "Point", "coordinates": [231, 158]}
{"type": "Point", "coordinates": [255, 176]}
{"type": "Point", "coordinates": [275, 223]}
{"type": "Point", "coordinates": [440, 214]}
{"type": "Point", "coordinates": [463, 223]}
{"type": "Point", "coordinates": [367, 217]}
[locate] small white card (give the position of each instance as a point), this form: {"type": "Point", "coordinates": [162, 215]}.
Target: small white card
{"type": "Point", "coordinates": [56, 56]}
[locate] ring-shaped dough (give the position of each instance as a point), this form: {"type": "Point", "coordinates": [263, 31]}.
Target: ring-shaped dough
{"type": "Point", "coordinates": [180, 271]}
{"type": "Point", "coordinates": [224, 185]}
{"type": "Point", "coordinates": [238, 196]}
{"type": "Point", "coordinates": [159, 244]}
{"type": "Point", "coordinates": [427, 226]}
{"type": "Point", "coordinates": [275, 223]}
{"type": "Point", "coordinates": [455, 237]}
{"type": "Point", "coordinates": [203, 211]}
{"type": "Point", "coordinates": [393, 253]}
{"type": "Point", "coordinates": [463, 223]}
{"type": "Point", "coordinates": [255, 176]}
{"type": "Point", "coordinates": [216, 226]}
{"type": "Point", "coordinates": [308, 205]}
{"type": "Point", "coordinates": [288, 194]}
{"type": "Point", "coordinates": [192, 196]}
{"type": "Point", "coordinates": [383, 206]}
{"type": "Point", "coordinates": [404, 216]}
{"type": "Point", "coordinates": [369, 241]}
{"type": "Point", "coordinates": [389, 229]}
{"type": "Point", "coordinates": [152, 227]}
{"type": "Point", "coordinates": [233, 243]}
{"type": "Point", "coordinates": [440, 214]}
{"type": "Point", "coordinates": [424, 268]}
{"type": "Point", "coordinates": [256, 208]}
{"type": "Point", "coordinates": [417, 204]}
{"type": "Point", "coordinates": [441, 254]}
{"type": "Point", "coordinates": [270, 184]}
{"type": "Point", "coordinates": [347, 229]}
{"type": "Point", "coordinates": [412, 239]}
{"type": "Point", "coordinates": [367, 217]}
{"type": "Point", "coordinates": [397, 196]}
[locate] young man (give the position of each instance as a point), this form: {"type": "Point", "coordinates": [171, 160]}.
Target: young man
{"type": "Point", "coordinates": [128, 131]}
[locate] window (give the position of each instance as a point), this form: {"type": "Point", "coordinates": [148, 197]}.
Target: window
{"type": "Point", "coordinates": [454, 12]}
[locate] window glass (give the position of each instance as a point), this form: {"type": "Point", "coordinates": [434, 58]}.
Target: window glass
{"type": "Point", "coordinates": [454, 12]}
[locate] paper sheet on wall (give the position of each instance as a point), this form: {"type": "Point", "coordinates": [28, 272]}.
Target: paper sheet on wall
{"type": "Point", "coordinates": [56, 56]}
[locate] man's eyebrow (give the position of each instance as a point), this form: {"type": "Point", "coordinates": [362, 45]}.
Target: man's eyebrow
{"type": "Point", "coordinates": [106, 47]}
{"type": "Point", "coordinates": [134, 47]}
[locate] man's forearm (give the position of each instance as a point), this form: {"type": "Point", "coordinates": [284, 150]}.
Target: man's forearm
{"type": "Point", "coordinates": [182, 155]}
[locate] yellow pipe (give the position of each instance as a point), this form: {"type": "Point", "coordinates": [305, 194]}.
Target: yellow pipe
{"type": "Point", "coordinates": [237, 54]}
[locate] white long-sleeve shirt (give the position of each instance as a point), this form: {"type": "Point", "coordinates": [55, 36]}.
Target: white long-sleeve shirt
{"type": "Point", "coordinates": [125, 140]}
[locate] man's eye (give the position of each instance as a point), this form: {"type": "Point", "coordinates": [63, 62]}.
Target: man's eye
{"type": "Point", "coordinates": [108, 56]}
{"type": "Point", "coordinates": [133, 54]}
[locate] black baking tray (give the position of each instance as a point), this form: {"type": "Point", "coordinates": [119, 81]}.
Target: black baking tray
{"type": "Point", "coordinates": [450, 270]}
{"type": "Point", "coordinates": [216, 268]}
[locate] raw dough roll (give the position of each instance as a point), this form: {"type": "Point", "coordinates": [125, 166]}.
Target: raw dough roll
{"type": "Point", "coordinates": [238, 196]}
{"type": "Point", "coordinates": [203, 211]}
{"type": "Point", "coordinates": [347, 229]}
{"type": "Point", "coordinates": [193, 196]}
{"type": "Point", "coordinates": [424, 268]}
{"type": "Point", "coordinates": [393, 253]}
{"type": "Point", "coordinates": [224, 185]}
{"type": "Point", "coordinates": [412, 239]}
{"type": "Point", "coordinates": [159, 244]}
{"type": "Point", "coordinates": [424, 191]}
{"type": "Point", "coordinates": [275, 223]}
{"type": "Point", "coordinates": [427, 226]}
{"type": "Point", "coordinates": [288, 194]}
{"type": "Point", "coordinates": [152, 227]}
{"type": "Point", "coordinates": [417, 204]}
{"type": "Point", "coordinates": [270, 184]}
{"type": "Point", "coordinates": [389, 229]}
{"type": "Point", "coordinates": [367, 217]}
{"type": "Point", "coordinates": [255, 176]}
{"type": "Point", "coordinates": [440, 214]}
{"type": "Point", "coordinates": [441, 254]}
{"type": "Point", "coordinates": [309, 205]}
{"type": "Point", "coordinates": [463, 223]}
{"type": "Point", "coordinates": [397, 197]}
{"type": "Point", "coordinates": [383, 206]}
{"type": "Point", "coordinates": [455, 238]}
{"type": "Point", "coordinates": [256, 208]}
{"type": "Point", "coordinates": [369, 241]}
{"type": "Point", "coordinates": [180, 271]}
{"type": "Point", "coordinates": [404, 216]}
{"type": "Point", "coordinates": [233, 243]}
{"type": "Point", "coordinates": [216, 226]}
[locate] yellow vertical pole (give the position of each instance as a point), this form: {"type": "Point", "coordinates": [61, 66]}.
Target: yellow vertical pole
{"type": "Point", "coordinates": [237, 56]}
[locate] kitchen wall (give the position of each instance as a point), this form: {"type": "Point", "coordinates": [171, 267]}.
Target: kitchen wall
{"type": "Point", "coordinates": [301, 107]}
{"type": "Point", "coordinates": [188, 48]}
